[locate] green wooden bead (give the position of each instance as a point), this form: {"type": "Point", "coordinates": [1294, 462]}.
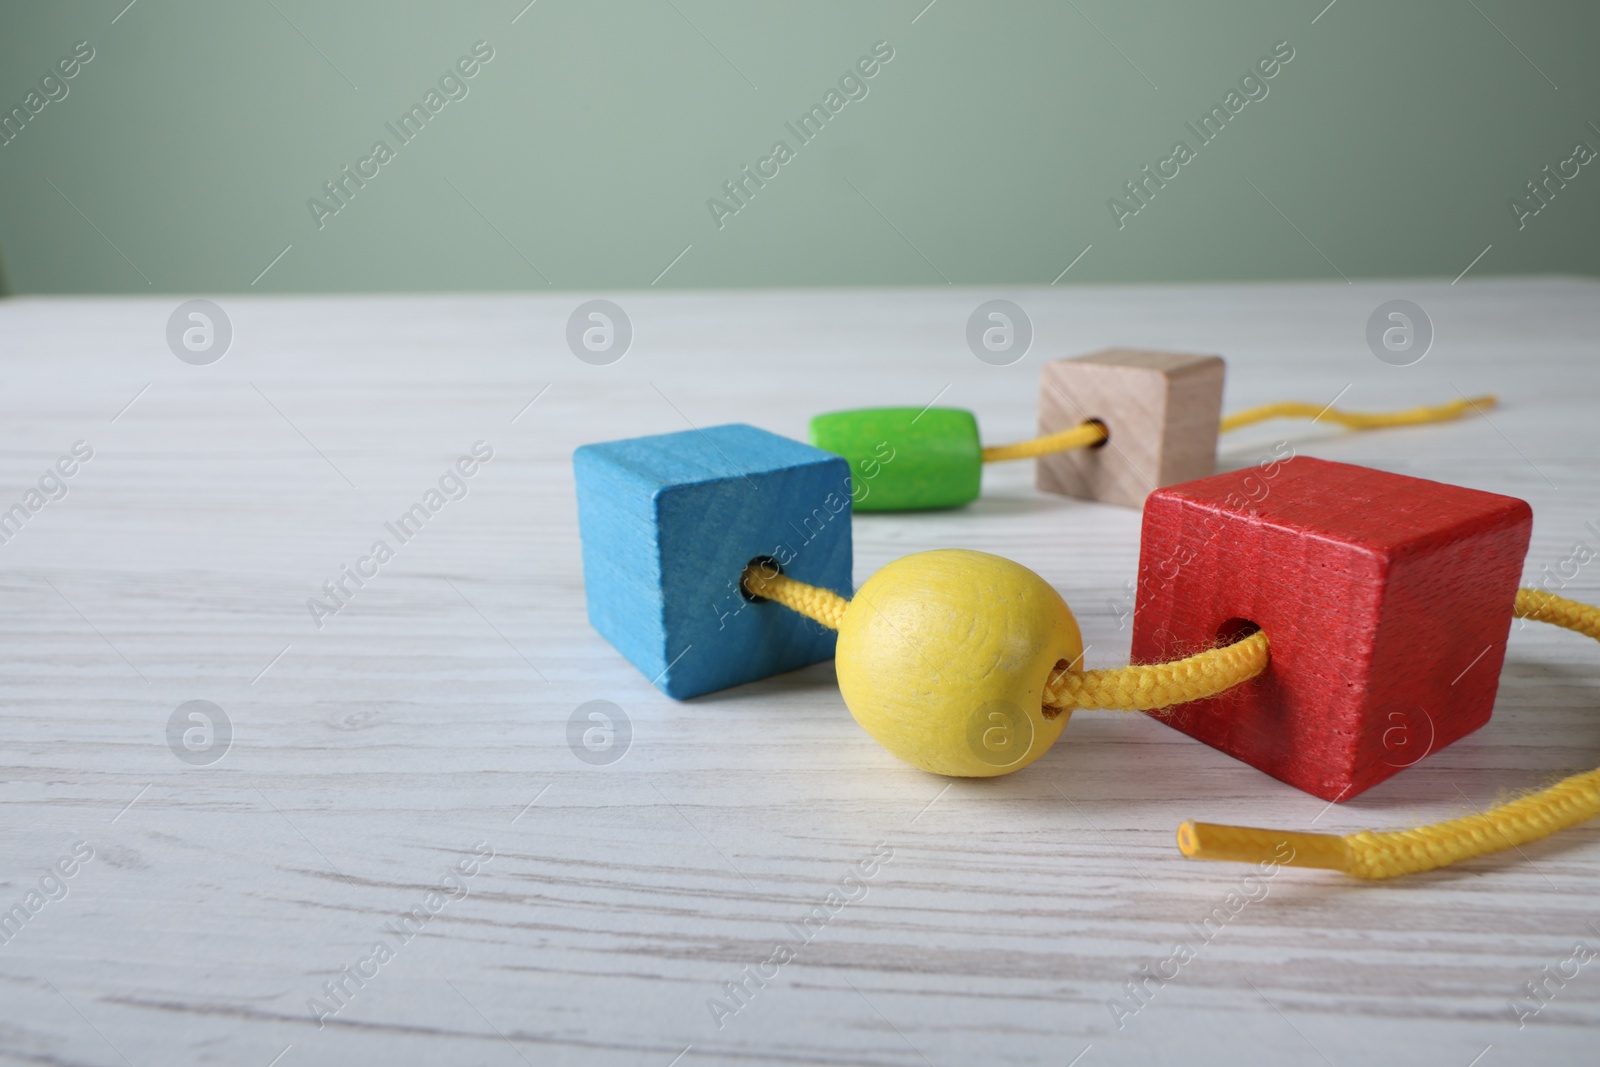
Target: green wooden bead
{"type": "Point", "coordinates": [902, 459]}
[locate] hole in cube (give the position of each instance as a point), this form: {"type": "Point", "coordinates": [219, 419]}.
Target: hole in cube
{"type": "Point", "coordinates": [1105, 432]}
{"type": "Point", "coordinates": [1235, 630]}
{"type": "Point", "coordinates": [767, 566]}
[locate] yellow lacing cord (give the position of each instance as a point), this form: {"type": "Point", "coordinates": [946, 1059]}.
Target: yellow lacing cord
{"type": "Point", "coordinates": [1137, 688]}
{"type": "Point", "coordinates": [1093, 432]}
{"type": "Point", "coordinates": [1083, 435]}
{"type": "Point", "coordinates": [823, 605]}
{"type": "Point", "coordinates": [1388, 854]}
{"type": "Point", "coordinates": [1147, 687]}
{"type": "Point", "coordinates": [1356, 420]}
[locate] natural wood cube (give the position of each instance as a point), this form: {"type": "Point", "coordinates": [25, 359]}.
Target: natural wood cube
{"type": "Point", "coordinates": [1161, 411]}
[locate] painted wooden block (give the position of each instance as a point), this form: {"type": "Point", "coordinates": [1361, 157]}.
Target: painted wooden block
{"type": "Point", "coordinates": [1387, 601]}
{"type": "Point", "coordinates": [668, 524]}
{"type": "Point", "coordinates": [903, 459]}
{"type": "Point", "coordinates": [1161, 411]}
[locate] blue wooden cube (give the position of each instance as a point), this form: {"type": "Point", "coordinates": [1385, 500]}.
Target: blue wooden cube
{"type": "Point", "coordinates": [669, 523]}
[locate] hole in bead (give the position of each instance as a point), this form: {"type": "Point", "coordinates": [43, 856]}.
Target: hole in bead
{"type": "Point", "coordinates": [1234, 631]}
{"type": "Point", "coordinates": [770, 568]}
{"type": "Point", "coordinates": [1062, 667]}
{"type": "Point", "coordinates": [1105, 432]}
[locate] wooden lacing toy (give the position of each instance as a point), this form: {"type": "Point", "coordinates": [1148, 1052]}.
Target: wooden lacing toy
{"type": "Point", "coordinates": [1328, 624]}
{"type": "Point", "coordinates": [1113, 426]}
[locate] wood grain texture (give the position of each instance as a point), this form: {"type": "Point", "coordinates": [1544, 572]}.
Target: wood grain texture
{"type": "Point", "coordinates": [1387, 600]}
{"type": "Point", "coordinates": [370, 757]}
{"type": "Point", "coordinates": [1160, 410]}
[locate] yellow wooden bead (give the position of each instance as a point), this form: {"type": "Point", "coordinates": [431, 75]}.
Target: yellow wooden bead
{"type": "Point", "coordinates": [943, 658]}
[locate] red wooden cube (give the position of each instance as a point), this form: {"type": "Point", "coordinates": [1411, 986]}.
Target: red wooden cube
{"type": "Point", "coordinates": [1387, 601]}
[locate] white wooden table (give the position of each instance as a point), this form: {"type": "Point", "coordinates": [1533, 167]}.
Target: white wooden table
{"type": "Point", "coordinates": [430, 714]}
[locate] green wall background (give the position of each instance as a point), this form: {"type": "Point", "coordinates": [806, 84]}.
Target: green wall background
{"type": "Point", "coordinates": [184, 154]}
